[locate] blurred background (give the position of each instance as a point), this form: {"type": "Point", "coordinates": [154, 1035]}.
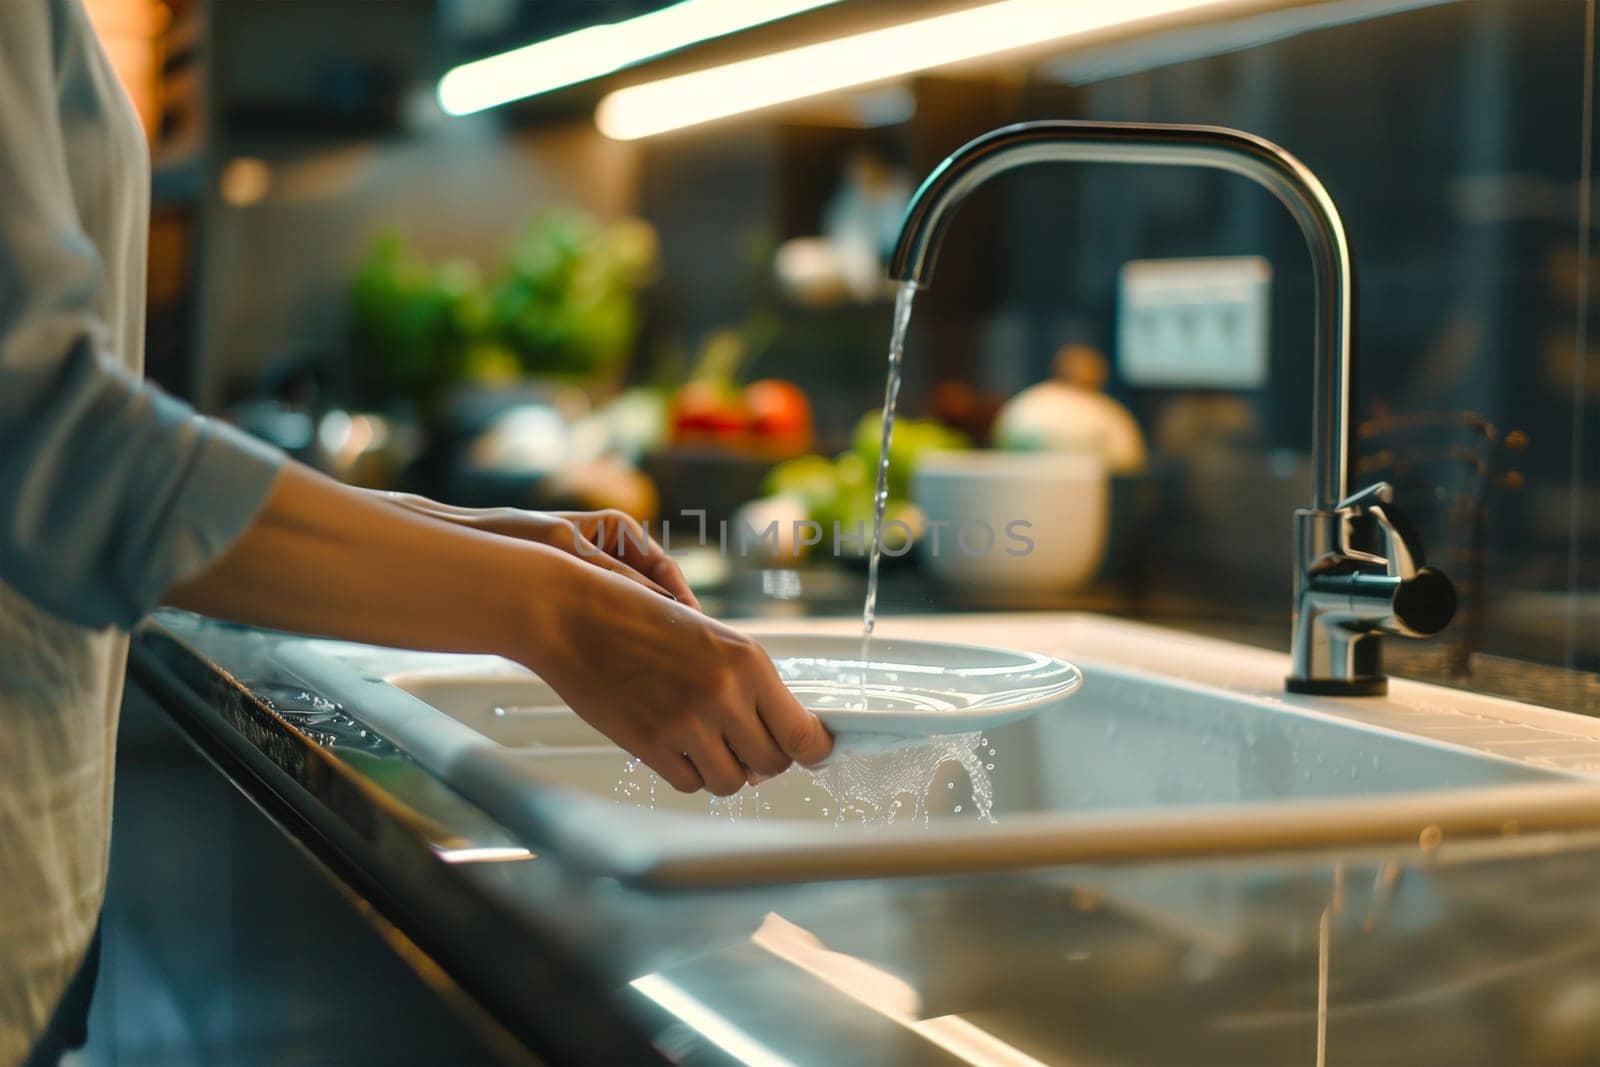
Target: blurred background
{"type": "Point", "coordinates": [556, 279]}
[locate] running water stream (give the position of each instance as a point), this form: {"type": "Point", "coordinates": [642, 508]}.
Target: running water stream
{"type": "Point", "coordinates": [880, 497]}
{"type": "Point", "coordinates": [875, 784]}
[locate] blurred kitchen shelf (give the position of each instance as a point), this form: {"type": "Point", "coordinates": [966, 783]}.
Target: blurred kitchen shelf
{"type": "Point", "coordinates": [303, 122]}
{"type": "Point", "coordinates": [837, 588]}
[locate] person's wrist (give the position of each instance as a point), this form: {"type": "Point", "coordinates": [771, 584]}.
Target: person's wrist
{"type": "Point", "coordinates": [532, 597]}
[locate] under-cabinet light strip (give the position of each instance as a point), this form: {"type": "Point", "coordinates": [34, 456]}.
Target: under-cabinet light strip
{"type": "Point", "coordinates": [595, 51]}
{"type": "Point", "coordinates": [875, 55]}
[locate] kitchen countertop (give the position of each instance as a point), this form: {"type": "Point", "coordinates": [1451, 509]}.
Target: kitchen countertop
{"type": "Point", "coordinates": [1465, 953]}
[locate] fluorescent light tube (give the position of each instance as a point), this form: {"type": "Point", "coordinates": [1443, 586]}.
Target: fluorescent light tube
{"type": "Point", "coordinates": [862, 58]}
{"type": "Point", "coordinates": [598, 50]}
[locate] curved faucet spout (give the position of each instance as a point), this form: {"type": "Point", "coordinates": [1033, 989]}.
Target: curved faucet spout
{"type": "Point", "coordinates": [1063, 141]}
{"type": "Point", "coordinates": [1345, 596]}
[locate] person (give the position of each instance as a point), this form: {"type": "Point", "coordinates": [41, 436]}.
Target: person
{"type": "Point", "coordinates": [115, 498]}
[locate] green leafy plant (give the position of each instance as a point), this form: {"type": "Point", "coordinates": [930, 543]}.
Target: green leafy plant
{"type": "Point", "coordinates": [413, 323]}
{"type": "Point", "coordinates": [564, 302]}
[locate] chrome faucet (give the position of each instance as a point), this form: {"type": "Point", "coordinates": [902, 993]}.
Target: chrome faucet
{"type": "Point", "coordinates": [1359, 568]}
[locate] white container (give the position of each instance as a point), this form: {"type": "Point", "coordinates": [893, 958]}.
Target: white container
{"type": "Point", "coordinates": [1012, 522]}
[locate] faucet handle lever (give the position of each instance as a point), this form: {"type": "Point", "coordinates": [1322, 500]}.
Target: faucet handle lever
{"type": "Point", "coordinates": [1362, 499]}
{"type": "Point", "coordinates": [1402, 553]}
{"type": "Point", "coordinates": [1420, 600]}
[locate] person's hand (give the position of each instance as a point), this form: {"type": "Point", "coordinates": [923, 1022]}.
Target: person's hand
{"type": "Point", "coordinates": [611, 540]}
{"type": "Point", "coordinates": [698, 702]}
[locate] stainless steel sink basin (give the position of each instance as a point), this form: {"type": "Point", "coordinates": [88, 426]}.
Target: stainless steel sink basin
{"type": "Point", "coordinates": [1176, 746]}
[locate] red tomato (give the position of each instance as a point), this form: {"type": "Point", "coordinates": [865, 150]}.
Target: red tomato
{"type": "Point", "coordinates": [706, 408]}
{"type": "Point", "coordinates": [777, 409]}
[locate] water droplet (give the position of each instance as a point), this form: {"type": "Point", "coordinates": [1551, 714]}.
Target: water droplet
{"type": "Point", "coordinates": [1430, 838]}
{"type": "Point", "coordinates": [958, 809]}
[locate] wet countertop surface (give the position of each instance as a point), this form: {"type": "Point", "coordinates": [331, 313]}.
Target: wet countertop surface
{"type": "Point", "coordinates": [1457, 954]}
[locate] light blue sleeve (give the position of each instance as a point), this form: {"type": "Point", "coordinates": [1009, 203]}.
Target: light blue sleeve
{"type": "Point", "coordinates": [110, 491]}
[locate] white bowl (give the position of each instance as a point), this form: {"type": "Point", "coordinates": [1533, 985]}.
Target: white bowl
{"type": "Point", "coordinates": [1012, 522]}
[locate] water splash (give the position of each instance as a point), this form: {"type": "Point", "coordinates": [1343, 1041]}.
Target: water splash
{"type": "Point", "coordinates": [874, 781]}
{"type": "Point", "coordinates": [746, 803]}
{"type": "Point", "coordinates": [636, 786]}
{"type": "Point", "coordinates": [879, 781]}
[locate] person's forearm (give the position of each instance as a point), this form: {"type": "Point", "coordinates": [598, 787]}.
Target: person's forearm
{"type": "Point", "coordinates": [323, 558]}
{"type": "Point", "coordinates": [699, 702]}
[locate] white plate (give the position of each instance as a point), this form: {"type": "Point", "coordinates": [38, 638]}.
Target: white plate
{"type": "Point", "coordinates": [914, 688]}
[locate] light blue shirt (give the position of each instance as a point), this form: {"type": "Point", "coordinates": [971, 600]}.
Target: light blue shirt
{"type": "Point", "coordinates": [110, 492]}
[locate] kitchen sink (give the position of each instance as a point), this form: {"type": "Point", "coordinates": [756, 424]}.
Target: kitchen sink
{"type": "Point", "coordinates": [1176, 746]}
